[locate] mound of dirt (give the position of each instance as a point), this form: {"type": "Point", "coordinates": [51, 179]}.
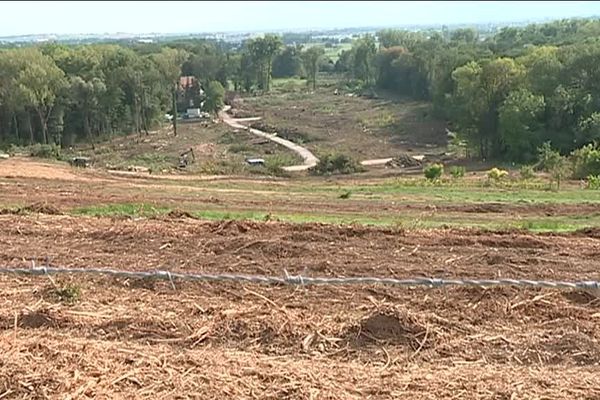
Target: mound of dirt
{"type": "Point", "coordinates": [180, 214]}
{"type": "Point", "coordinates": [233, 226]}
{"type": "Point", "coordinates": [592, 232]}
{"type": "Point", "coordinates": [403, 161]}
{"type": "Point", "coordinates": [390, 325]}
{"type": "Point", "coordinates": [39, 208]}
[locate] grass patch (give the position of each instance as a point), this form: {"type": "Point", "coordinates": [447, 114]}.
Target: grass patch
{"type": "Point", "coordinates": [409, 221]}
{"type": "Point", "coordinates": [68, 294]}
{"type": "Point", "coordinates": [121, 210]}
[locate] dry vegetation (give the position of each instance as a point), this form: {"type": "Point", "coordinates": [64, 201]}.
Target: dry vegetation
{"type": "Point", "coordinates": [107, 338]}
{"type": "Point", "coordinates": [360, 127]}
{"type": "Point", "coordinates": [115, 338]}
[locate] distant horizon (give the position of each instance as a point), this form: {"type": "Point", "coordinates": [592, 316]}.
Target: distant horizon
{"type": "Point", "coordinates": [304, 30]}
{"type": "Point", "coordinates": [61, 18]}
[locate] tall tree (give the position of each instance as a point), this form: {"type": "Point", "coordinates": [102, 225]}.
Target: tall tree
{"type": "Point", "coordinates": [520, 125]}
{"type": "Point", "coordinates": [288, 62]}
{"type": "Point", "coordinates": [215, 95]}
{"type": "Point", "coordinates": [40, 81]}
{"type": "Point", "coordinates": [364, 56]}
{"type": "Point", "coordinates": [311, 58]}
{"type": "Point", "coordinates": [169, 62]}
{"type": "Point", "coordinates": [262, 50]}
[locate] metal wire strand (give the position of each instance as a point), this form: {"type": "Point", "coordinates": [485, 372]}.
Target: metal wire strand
{"type": "Point", "coordinates": [296, 280]}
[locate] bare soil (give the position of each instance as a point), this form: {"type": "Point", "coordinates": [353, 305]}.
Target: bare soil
{"type": "Point", "coordinates": [107, 338]}
{"type": "Point", "coordinates": [25, 181]}
{"type": "Point", "coordinates": [362, 128]}
{"type": "Point", "coordinates": [144, 339]}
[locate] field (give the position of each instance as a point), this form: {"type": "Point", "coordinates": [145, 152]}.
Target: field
{"type": "Point", "coordinates": [364, 128]}
{"type": "Point", "coordinates": [93, 336]}
{"type": "Point", "coordinates": [100, 337]}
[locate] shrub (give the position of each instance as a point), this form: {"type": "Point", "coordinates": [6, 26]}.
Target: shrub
{"type": "Point", "coordinates": [14, 150]}
{"type": "Point", "coordinates": [586, 161]}
{"type": "Point", "coordinates": [68, 294]}
{"type": "Point", "coordinates": [527, 172]}
{"type": "Point", "coordinates": [593, 182]}
{"type": "Point", "coordinates": [560, 170]}
{"type": "Point", "coordinates": [239, 148]}
{"type": "Point", "coordinates": [548, 158]}
{"type": "Point", "coordinates": [336, 164]}
{"type": "Point", "coordinates": [345, 195]}
{"type": "Point", "coordinates": [433, 172]}
{"type": "Point", "coordinates": [457, 171]}
{"type": "Point", "coordinates": [44, 151]}
{"type": "Point", "coordinates": [496, 174]}
{"type": "Point", "coordinates": [274, 165]}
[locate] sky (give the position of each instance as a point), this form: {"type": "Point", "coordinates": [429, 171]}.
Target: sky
{"type": "Point", "coordinates": [70, 17]}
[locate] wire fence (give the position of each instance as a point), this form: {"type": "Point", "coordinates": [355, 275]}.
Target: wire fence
{"type": "Point", "coordinates": [296, 280]}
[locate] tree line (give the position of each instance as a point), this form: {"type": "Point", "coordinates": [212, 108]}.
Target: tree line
{"type": "Point", "coordinates": [62, 94]}
{"type": "Point", "coordinates": [505, 95]}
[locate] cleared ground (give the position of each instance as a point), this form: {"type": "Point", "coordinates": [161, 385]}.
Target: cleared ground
{"type": "Point", "coordinates": [398, 202]}
{"type": "Point", "coordinates": [143, 339]}
{"type": "Point", "coordinates": [106, 338]}
{"type": "Point", "coordinates": [357, 126]}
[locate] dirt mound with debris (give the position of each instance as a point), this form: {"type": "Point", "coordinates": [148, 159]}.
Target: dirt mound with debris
{"type": "Point", "coordinates": [39, 208]}
{"type": "Point", "coordinates": [179, 214]}
{"type": "Point", "coordinates": [403, 161]}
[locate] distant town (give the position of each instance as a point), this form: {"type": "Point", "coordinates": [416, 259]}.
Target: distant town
{"type": "Point", "coordinates": [340, 34]}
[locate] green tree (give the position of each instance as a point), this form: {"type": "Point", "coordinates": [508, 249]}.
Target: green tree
{"type": "Point", "coordinates": [262, 50]}
{"type": "Point", "coordinates": [311, 58]}
{"type": "Point", "coordinates": [364, 50]}
{"type": "Point", "coordinates": [39, 82]}
{"type": "Point", "coordinates": [85, 98]}
{"type": "Point", "coordinates": [215, 95]}
{"type": "Point", "coordinates": [480, 91]}
{"type": "Point", "coordinates": [288, 62]}
{"type": "Point", "coordinates": [520, 125]}
{"type": "Point", "coordinates": [169, 62]}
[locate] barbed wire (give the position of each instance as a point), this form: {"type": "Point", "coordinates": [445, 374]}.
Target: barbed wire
{"type": "Point", "coordinates": [296, 280]}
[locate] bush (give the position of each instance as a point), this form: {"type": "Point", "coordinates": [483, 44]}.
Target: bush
{"type": "Point", "coordinates": [496, 174]}
{"type": "Point", "coordinates": [274, 165]}
{"type": "Point", "coordinates": [527, 172]}
{"type": "Point", "coordinates": [434, 171]}
{"type": "Point", "coordinates": [560, 171]}
{"type": "Point", "coordinates": [14, 150]}
{"type": "Point", "coordinates": [548, 158]}
{"type": "Point", "coordinates": [345, 195]}
{"type": "Point", "coordinates": [458, 171]}
{"type": "Point", "coordinates": [593, 182]}
{"type": "Point", "coordinates": [586, 161]}
{"type": "Point", "coordinates": [336, 164]}
{"type": "Point", "coordinates": [44, 151]}
{"type": "Point", "coordinates": [239, 148]}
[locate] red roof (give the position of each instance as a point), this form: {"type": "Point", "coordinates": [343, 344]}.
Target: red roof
{"type": "Point", "coordinates": [186, 81]}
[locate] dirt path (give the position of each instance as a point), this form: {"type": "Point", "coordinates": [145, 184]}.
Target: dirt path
{"type": "Point", "coordinates": [309, 159]}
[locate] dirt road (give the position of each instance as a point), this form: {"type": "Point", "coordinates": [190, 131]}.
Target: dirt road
{"type": "Point", "coordinates": [309, 159]}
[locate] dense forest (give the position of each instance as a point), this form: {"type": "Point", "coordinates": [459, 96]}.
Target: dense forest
{"type": "Point", "coordinates": [505, 95]}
